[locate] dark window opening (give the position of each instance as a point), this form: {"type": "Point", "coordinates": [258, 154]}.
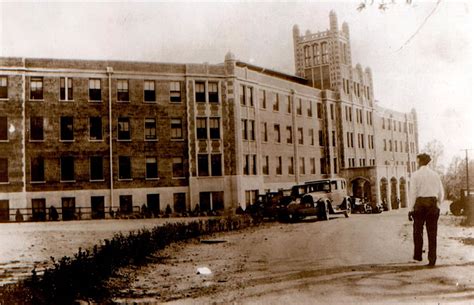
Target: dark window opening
{"type": "Point", "coordinates": [95, 93]}
{"type": "Point", "coordinates": [3, 87]}
{"type": "Point", "coordinates": [97, 207]}
{"type": "Point", "coordinates": [124, 129]}
{"type": "Point", "coordinates": [201, 128]}
{"type": "Point", "coordinates": [178, 167]}
{"type": "Point", "coordinates": [95, 128]}
{"type": "Point", "coordinates": [67, 128]}
{"type": "Point", "coordinates": [150, 129]}
{"type": "Point", "coordinates": [216, 165]}
{"type": "Point", "coordinates": [200, 92]}
{"type": "Point", "coordinates": [67, 168]}
{"type": "Point", "coordinates": [175, 92]}
{"type": "Point", "coordinates": [125, 167]}
{"type": "Point", "coordinates": [96, 168]}
{"type": "Point", "coordinates": [126, 204]}
{"type": "Point", "coordinates": [68, 205]}
{"type": "Point", "coordinates": [122, 91]}
{"type": "Point", "coordinates": [36, 88]}
{"type": "Point", "coordinates": [3, 170]}
{"type": "Point", "coordinates": [203, 165]}
{"type": "Point", "coordinates": [179, 202]}
{"type": "Point", "coordinates": [38, 206]}
{"type": "Point", "coordinates": [213, 93]}
{"type": "Point", "coordinates": [65, 89]}
{"type": "Point", "coordinates": [151, 168]}
{"type": "Point", "coordinates": [214, 128]}
{"type": "Point", "coordinates": [149, 91]}
{"type": "Point", "coordinates": [176, 129]}
{"type": "Point", "coordinates": [37, 169]}
{"type": "Point", "coordinates": [3, 128]}
{"type": "Point", "coordinates": [153, 204]}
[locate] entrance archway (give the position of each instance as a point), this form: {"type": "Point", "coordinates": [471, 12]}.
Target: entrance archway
{"type": "Point", "coordinates": [403, 193]}
{"type": "Point", "coordinates": [361, 188]}
{"type": "Point", "coordinates": [393, 193]}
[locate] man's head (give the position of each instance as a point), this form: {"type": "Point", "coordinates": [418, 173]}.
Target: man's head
{"type": "Point", "coordinates": [423, 159]}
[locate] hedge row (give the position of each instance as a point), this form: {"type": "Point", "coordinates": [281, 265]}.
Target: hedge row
{"type": "Point", "coordinates": [82, 276]}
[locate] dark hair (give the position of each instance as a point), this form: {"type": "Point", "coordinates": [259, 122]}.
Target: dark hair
{"type": "Point", "coordinates": [423, 159]}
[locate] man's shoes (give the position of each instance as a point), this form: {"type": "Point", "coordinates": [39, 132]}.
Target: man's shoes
{"type": "Point", "coordinates": [417, 258]}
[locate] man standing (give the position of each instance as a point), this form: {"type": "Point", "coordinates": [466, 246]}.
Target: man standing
{"type": "Point", "coordinates": [426, 195]}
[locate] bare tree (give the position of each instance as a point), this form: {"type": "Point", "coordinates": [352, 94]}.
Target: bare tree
{"type": "Point", "coordinates": [436, 150]}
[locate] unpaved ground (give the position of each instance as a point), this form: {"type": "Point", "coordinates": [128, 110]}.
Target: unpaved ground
{"type": "Point", "coordinates": [32, 244]}
{"type": "Point", "coordinates": [365, 259]}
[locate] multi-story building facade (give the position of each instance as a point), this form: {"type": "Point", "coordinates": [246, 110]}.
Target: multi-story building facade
{"type": "Point", "coordinates": [99, 136]}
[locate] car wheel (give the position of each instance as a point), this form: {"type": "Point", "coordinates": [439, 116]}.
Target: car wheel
{"type": "Point", "coordinates": [324, 211]}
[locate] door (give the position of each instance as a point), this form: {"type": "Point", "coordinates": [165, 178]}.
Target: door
{"type": "Point", "coordinates": [97, 207]}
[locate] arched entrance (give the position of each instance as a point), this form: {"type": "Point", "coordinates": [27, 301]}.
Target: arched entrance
{"type": "Point", "coordinates": [403, 193]}
{"type": "Point", "coordinates": [384, 190]}
{"type": "Point", "coordinates": [361, 188]}
{"type": "Point", "coordinates": [393, 193]}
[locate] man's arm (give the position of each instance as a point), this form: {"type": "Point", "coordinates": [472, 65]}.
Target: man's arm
{"type": "Point", "coordinates": [440, 192]}
{"type": "Point", "coordinates": [413, 192]}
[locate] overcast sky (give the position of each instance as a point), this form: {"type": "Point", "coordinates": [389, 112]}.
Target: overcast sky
{"type": "Point", "coordinates": [432, 72]}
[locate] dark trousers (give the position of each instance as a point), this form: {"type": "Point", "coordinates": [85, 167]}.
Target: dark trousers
{"type": "Point", "coordinates": [425, 211]}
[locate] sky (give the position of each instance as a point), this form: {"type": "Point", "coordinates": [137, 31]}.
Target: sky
{"type": "Point", "coordinates": [431, 72]}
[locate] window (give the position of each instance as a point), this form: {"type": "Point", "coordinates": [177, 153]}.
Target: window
{"type": "Point", "coordinates": [97, 207]}
{"type": "Point", "coordinates": [251, 130]}
{"type": "Point", "coordinates": [65, 89]}
{"type": "Point", "coordinates": [3, 128]}
{"type": "Point", "coordinates": [276, 128]}
{"type": "Point", "coordinates": [334, 161]}
{"type": "Point", "coordinates": [3, 170]}
{"type": "Point", "coordinates": [125, 168]}
{"type": "Point", "coordinates": [321, 138]}
{"type": "Point", "coordinates": [322, 165]}
{"type": "Point", "coordinates": [250, 95]}
{"type": "Point", "coordinates": [122, 90]}
{"type": "Point", "coordinates": [95, 93]}
{"type": "Point", "coordinates": [178, 167]}
{"type": "Point", "coordinates": [254, 164]}
{"type": "Point", "coordinates": [150, 129]}
{"type": "Point", "coordinates": [311, 136]}
{"type": "Point", "coordinates": [176, 129]}
{"type": "Point", "coordinates": [320, 110]}
{"type": "Point", "coordinates": [213, 92]}
{"type": "Point", "coordinates": [3, 87]}
{"type": "Point", "coordinates": [151, 168]}
{"type": "Point", "coordinates": [67, 168]}
{"type": "Point", "coordinates": [279, 166]}
{"type": "Point", "coordinates": [307, 56]}
{"type": "Point", "coordinates": [95, 128]}
{"type": "Point", "coordinates": [36, 88]}
{"type": "Point", "coordinates": [246, 164]}
{"type": "Point", "coordinates": [262, 98]}
{"type": "Point", "coordinates": [37, 169]}
{"type": "Point", "coordinates": [390, 145]}
{"type": "Point", "coordinates": [251, 197]}
{"type": "Point", "coordinates": [149, 94]}
{"type": "Point", "coordinates": [179, 202]}
{"type": "Point", "coordinates": [242, 92]}
{"type": "Point", "coordinates": [291, 169]}
{"type": "Point", "coordinates": [264, 132]}
{"type": "Point", "coordinates": [300, 136]}
{"type": "Point", "coordinates": [214, 128]}
{"type": "Point", "coordinates": [244, 130]}
{"type": "Point", "coordinates": [332, 111]}
{"type": "Point", "coordinates": [299, 107]}
{"type": "Point", "coordinates": [124, 132]}
{"type": "Point", "coordinates": [333, 138]}
{"type": "Point", "coordinates": [203, 165]}
{"type": "Point", "coordinates": [38, 206]}
{"type": "Point", "coordinates": [324, 52]}
{"type": "Point", "coordinates": [276, 102]}
{"type": "Point", "coordinates": [200, 94]}
{"type": "Point", "coordinates": [216, 165]}
{"type": "Point", "coordinates": [265, 165]}
{"type": "Point", "coordinates": [175, 92]}
{"type": "Point", "coordinates": [67, 128]}
{"type": "Point", "coordinates": [126, 204]}
{"type": "Point", "coordinates": [316, 54]}
{"type": "Point", "coordinates": [68, 207]}
{"type": "Point", "coordinates": [310, 108]}
{"type": "Point", "coordinates": [288, 104]}
{"type": "Point", "coordinates": [302, 166]}
{"type": "Point", "coordinates": [96, 165]}
{"type": "Point", "coordinates": [201, 128]}
{"type": "Point", "coordinates": [289, 139]}
{"type": "Point", "coordinates": [312, 162]}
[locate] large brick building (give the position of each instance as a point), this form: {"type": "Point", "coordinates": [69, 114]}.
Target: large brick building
{"type": "Point", "coordinates": [101, 135]}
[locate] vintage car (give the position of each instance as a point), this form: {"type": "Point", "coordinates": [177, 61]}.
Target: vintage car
{"type": "Point", "coordinates": [359, 205]}
{"type": "Point", "coordinates": [318, 198]}
{"type": "Point", "coordinates": [269, 204]}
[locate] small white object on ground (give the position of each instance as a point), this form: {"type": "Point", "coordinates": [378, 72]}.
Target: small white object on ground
{"type": "Point", "coordinates": [204, 270]}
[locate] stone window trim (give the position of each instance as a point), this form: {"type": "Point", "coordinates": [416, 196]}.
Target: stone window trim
{"type": "Point", "coordinates": [123, 92]}
{"type": "Point", "coordinates": [36, 88]}
{"type": "Point", "coordinates": [66, 89]}
{"type": "Point", "coordinates": [149, 92]}
{"type": "Point", "coordinates": [95, 90]}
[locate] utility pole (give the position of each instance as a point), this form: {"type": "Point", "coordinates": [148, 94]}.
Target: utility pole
{"type": "Point", "coordinates": [469, 208]}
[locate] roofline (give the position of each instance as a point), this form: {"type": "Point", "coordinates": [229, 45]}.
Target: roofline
{"type": "Point", "coordinates": [294, 78]}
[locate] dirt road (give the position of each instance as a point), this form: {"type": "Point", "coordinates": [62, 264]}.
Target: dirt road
{"type": "Point", "coordinates": [365, 259]}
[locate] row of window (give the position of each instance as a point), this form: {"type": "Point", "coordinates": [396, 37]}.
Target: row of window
{"type": "Point", "coordinates": [362, 162]}
{"type": "Point", "coordinates": [124, 126]}
{"type": "Point", "coordinates": [316, 54]}
{"type": "Point", "coordinates": [66, 89]}
{"type": "Point", "coordinates": [360, 140]}
{"type": "Point", "coordinates": [278, 166]}
{"type": "Point", "coordinates": [394, 146]}
{"type": "Point", "coordinates": [96, 168]}
{"type": "Point", "coordinates": [359, 115]}
{"type": "Point", "coordinates": [359, 89]}
{"type": "Point", "coordinates": [248, 133]}
{"type": "Point", "coordinates": [392, 124]}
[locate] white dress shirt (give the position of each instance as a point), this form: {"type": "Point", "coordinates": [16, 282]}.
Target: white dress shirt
{"type": "Point", "coordinates": [425, 182]}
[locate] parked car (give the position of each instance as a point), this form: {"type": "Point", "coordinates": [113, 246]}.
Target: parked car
{"type": "Point", "coordinates": [359, 205]}
{"type": "Point", "coordinates": [378, 208]}
{"type": "Point", "coordinates": [318, 198]}
{"type": "Point", "coordinates": [459, 207]}
{"type": "Point", "coordinates": [269, 204]}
